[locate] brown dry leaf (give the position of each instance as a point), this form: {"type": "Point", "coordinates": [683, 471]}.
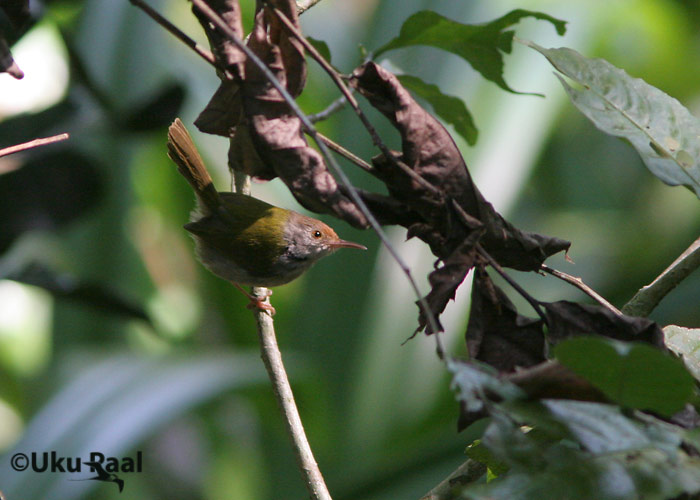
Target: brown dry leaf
{"type": "Point", "coordinates": [497, 334]}
{"type": "Point", "coordinates": [226, 52]}
{"type": "Point", "coordinates": [7, 63]}
{"type": "Point", "coordinates": [570, 319]}
{"type": "Point", "coordinates": [445, 280]}
{"type": "Point", "coordinates": [268, 139]}
{"type": "Point", "coordinates": [223, 113]}
{"type": "Point", "coordinates": [16, 21]}
{"type": "Point", "coordinates": [243, 157]}
{"type": "Point", "coordinates": [277, 136]}
{"type": "Point", "coordinates": [291, 49]}
{"type": "Point", "coordinates": [429, 151]}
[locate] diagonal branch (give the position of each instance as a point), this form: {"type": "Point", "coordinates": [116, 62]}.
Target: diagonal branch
{"type": "Point", "coordinates": [202, 52]}
{"type": "Point", "coordinates": [346, 154]}
{"type": "Point", "coordinates": [304, 5]}
{"type": "Point", "coordinates": [32, 144]}
{"type": "Point", "coordinates": [333, 107]}
{"type": "Point", "coordinates": [646, 299]}
{"type": "Point", "coordinates": [578, 283]}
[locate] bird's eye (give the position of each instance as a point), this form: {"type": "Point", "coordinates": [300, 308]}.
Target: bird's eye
{"type": "Point", "coordinates": [317, 234]}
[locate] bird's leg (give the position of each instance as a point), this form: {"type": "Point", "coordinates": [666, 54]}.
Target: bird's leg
{"type": "Point", "coordinates": [257, 302]}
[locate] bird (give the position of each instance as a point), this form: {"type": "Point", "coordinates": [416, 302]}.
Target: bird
{"type": "Point", "coordinates": [103, 475]}
{"type": "Point", "coordinates": [242, 239]}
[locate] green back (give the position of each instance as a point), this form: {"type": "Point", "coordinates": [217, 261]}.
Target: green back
{"type": "Point", "coordinates": [250, 232]}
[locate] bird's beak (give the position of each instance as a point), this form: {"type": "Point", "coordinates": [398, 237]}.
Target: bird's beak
{"type": "Point", "coordinates": [347, 244]}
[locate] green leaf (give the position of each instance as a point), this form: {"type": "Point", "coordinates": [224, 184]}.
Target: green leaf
{"type": "Point", "coordinates": [644, 473]}
{"type": "Point", "coordinates": [599, 428]}
{"type": "Point", "coordinates": [661, 129]}
{"type": "Point", "coordinates": [686, 343]}
{"type": "Point", "coordinates": [481, 45]}
{"type": "Point", "coordinates": [479, 452]}
{"type": "Point", "coordinates": [635, 375]}
{"type": "Point", "coordinates": [449, 108]}
{"type": "Point", "coordinates": [603, 455]}
{"type": "Point", "coordinates": [321, 46]}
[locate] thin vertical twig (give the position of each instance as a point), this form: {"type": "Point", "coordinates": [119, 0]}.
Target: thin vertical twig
{"type": "Point", "coordinates": [272, 357]}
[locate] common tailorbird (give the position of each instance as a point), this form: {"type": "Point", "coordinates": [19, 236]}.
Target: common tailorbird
{"type": "Point", "coordinates": [245, 240]}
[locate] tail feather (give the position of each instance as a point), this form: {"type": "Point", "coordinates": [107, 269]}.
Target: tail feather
{"type": "Point", "coordinates": [183, 152]}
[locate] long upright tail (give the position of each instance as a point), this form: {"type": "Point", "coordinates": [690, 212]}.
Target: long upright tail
{"type": "Point", "coordinates": [183, 152]}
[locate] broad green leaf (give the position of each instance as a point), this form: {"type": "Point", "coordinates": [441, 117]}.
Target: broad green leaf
{"type": "Point", "coordinates": [635, 375]}
{"type": "Point", "coordinates": [449, 108]}
{"type": "Point", "coordinates": [481, 45]}
{"type": "Point", "coordinates": [606, 455]}
{"type": "Point", "coordinates": [661, 129]}
{"type": "Point", "coordinates": [686, 343]}
{"type": "Point", "coordinates": [321, 46]}
{"type": "Point", "coordinates": [644, 473]}
{"type": "Point", "coordinates": [599, 428]}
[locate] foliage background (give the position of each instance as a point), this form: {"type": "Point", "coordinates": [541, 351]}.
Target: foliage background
{"type": "Point", "coordinates": [188, 389]}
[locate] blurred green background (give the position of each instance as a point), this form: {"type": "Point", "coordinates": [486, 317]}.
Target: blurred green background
{"type": "Point", "coordinates": [122, 342]}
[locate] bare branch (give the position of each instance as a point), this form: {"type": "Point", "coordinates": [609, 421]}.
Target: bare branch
{"type": "Point", "coordinates": [272, 357]}
{"type": "Point", "coordinates": [304, 5]}
{"type": "Point", "coordinates": [578, 283]}
{"type": "Point", "coordinates": [467, 473]}
{"type": "Point", "coordinates": [33, 144]}
{"type": "Point", "coordinates": [202, 52]}
{"type": "Point", "coordinates": [336, 105]}
{"type": "Point", "coordinates": [346, 154]}
{"type": "Point", "coordinates": [646, 299]}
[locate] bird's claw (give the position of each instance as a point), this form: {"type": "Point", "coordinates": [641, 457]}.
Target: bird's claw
{"type": "Point", "coordinates": [260, 304]}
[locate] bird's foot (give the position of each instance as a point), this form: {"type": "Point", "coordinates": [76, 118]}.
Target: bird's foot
{"type": "Point", "coordinates": [258, 302]}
